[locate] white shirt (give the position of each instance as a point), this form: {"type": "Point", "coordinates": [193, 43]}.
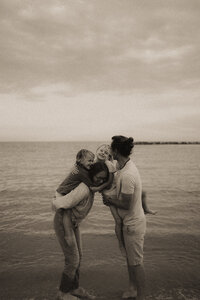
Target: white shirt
{"type": "Point", "coordinates": [80, 200]}
{"type": "Point", "coordinates": [128, 182]}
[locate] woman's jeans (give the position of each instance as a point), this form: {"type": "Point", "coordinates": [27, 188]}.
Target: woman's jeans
{"type": "Point", "coordinates": [68, 235]}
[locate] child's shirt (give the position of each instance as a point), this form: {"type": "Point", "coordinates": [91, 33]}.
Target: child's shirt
{"type": "Point", "coordinates": [111, 166]}
{"type": "Point", "coordinates": [77, 175]}
{"type": "Point", "coordinates": [111, 190]}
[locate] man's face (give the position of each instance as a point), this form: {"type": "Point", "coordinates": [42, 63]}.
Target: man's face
{"type": "Point", "coordinates": [114, 154]}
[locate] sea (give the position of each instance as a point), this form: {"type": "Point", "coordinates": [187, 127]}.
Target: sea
{"type": "Point", "coordinates": [170, 173]}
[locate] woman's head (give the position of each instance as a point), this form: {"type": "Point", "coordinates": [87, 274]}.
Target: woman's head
{"type": "Point", "coordinates": [103, 152]}
{"type": "Point", "coordinates": [85, 158]}
{"type": "Point", "coordinates": [121, 145]}
{"type": "Point", "coordinates": [99, 173]}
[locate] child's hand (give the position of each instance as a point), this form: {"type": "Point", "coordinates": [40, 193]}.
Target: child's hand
{"type": "Point", "coordinates": [53, 207]}
{"type": "Point", "coordinates": [94, 189]}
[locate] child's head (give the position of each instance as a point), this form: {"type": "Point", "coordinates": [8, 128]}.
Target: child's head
{"type": "Point", "coordinates": [103, 152]}
{"type": "Point", "coordinates": [85, 158]}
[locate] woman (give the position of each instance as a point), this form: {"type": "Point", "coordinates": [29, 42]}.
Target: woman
{"type": "Point", "coordinates": [78, 204]}
{"type": "Point", "coordinates": [129, 206]}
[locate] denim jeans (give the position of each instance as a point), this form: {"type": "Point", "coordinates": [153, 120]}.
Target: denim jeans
{"type": "Point", "coordinates": [68, 235]}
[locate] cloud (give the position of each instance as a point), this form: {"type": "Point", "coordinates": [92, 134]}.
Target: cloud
{"type": "Point", "coordinates": [99, 45]}
{"type": "Point", "coordinates": [104, 61]}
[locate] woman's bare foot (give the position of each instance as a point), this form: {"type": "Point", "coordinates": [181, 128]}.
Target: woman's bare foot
{"type": "Point", "coordinates": [82, 293]}
{"type": "Point", "coordinates": [65, 296]}
{"type": "Point", "coordinates": [131, 293]}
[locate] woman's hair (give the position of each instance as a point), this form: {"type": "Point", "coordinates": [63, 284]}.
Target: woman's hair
{"type": "Point", "coordinates": [122, 144]}
{"type": "Point", "coordinates": [82, 154]}
{"type": "Point", "coordinates": [97, 168]}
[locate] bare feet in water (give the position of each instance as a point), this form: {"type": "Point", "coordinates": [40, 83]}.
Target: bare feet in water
{"type": "Point", "coordinates": [131, 293]}
{"type": "Point", "coordinates": [66, 296]}
{"type": "Point", "coordinates": [82, 293]}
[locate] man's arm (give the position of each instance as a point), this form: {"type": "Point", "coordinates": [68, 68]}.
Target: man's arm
{"type": "Point", "coordinates": [73, 198]}
{"type": "Point", "coordinates": [123, 203]}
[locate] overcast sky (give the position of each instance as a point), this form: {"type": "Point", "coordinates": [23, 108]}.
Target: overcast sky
{"type": "Point", "coordinates": [91, 69]}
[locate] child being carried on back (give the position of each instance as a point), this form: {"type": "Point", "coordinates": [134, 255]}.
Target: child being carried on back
{"type": "Point", "coordinates": [78, 174]}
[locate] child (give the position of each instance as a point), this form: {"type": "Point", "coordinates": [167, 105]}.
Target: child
{"type": "Point", "coordinates": [109, 188]}
{"type": "Point", "coordinates": [103, 154]}
{"type": "Point", "coordinates": [78, 174]}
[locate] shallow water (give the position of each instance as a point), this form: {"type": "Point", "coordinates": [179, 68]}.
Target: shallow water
{"type": "Point", "coordinates": [30, 173]}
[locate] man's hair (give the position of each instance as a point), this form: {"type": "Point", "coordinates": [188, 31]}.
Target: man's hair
{"type": "Point", "coordinates": [122, 144]}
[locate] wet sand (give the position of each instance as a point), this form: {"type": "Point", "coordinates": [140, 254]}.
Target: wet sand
{"type": "Point", "coordinates": [31, 267]}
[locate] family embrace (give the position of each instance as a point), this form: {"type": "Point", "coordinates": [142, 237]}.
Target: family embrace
{"type": "Point", "coordinates": [115, 176]}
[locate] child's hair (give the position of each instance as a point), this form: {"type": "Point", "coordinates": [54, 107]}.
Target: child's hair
{"type": "Point", "coordinates": [108, 148]}
{"type": "Point", "coordinates": [82, 154]}
{"type": "Point", "coordinates": [97, 168]}
{"type": "Point", "coordinates": [122, 144]}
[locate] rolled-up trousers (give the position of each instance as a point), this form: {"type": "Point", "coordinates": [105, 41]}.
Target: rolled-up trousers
{"type": "Point", "coordinates": [68, 235]}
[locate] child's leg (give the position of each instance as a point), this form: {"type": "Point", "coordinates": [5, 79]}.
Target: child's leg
{"type": "Point", "coordinates": [147, 210]}
{"type": "Point", "coordinates": [118, 229]}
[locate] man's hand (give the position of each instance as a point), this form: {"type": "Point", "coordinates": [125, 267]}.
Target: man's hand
{"type": "Point", "coordinates": [106, 200]}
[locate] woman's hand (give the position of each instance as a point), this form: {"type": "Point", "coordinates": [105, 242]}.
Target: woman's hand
{"type": "Point", "coordinates": [106, 200]}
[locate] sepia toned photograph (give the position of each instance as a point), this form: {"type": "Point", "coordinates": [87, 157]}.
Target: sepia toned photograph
{"type": "Point", "coordinates": [99, 149]}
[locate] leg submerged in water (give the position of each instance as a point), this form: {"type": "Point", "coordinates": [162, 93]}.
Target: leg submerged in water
{"type": "Point", "coordinates": [118, 230]}
{"type": "Point", "coordinates": [66, 236]}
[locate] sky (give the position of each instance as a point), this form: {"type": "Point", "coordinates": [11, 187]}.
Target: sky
{"type": "Point", "coordinates": [88, 70]}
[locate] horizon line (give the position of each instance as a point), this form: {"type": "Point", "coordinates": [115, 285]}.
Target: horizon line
{"type": "Point", "coordinates": [95, 141]}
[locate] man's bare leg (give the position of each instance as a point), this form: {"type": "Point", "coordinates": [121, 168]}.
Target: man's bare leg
{"type": "Point", "coordinates": [132, 290]}
{"type": "Point", "coordinates": [137, 277]}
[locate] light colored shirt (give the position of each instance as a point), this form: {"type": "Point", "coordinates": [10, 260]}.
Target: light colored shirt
{"type": "Point", "coordinates": [111, 166]}
{"type": "Point", "coordinates": [128, 182]}
{"type": "Point", "coordinates": [111, 190]}
{"type": "Point", "coordinates": [79, 200]}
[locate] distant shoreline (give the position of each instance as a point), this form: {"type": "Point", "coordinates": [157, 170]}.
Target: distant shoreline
{"type": "Point", "coordinates": [166, 143]}
{"type": "Point", "coordinates": [136, 143]}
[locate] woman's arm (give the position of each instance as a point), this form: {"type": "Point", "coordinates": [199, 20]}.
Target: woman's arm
{"type": "Point", "coordinates": [73, 198]}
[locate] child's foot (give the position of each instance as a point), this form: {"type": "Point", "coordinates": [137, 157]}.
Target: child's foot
{"type": "Point", "coordinates": [151, 212]}
{"type": "Point", "coordinates": [82, 293]}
